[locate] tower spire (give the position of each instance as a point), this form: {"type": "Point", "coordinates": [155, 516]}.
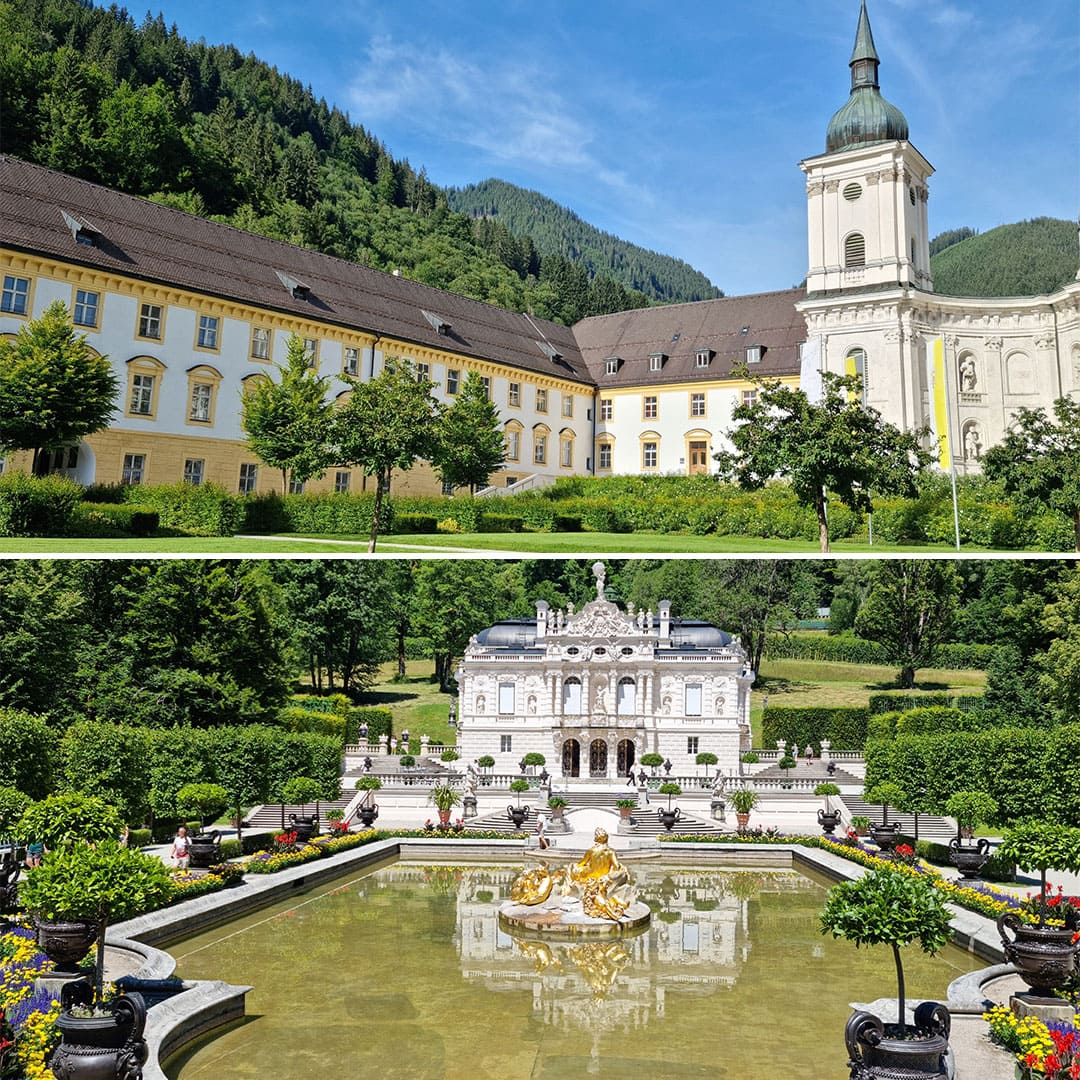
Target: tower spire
{"type": "Point", "coordinates": [864, 57]}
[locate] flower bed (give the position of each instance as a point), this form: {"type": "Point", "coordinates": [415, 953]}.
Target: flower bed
{"type": "Point", "coordinates": [27, 1019]}
{"type": "Point", "coordinates": [1043, 1051]}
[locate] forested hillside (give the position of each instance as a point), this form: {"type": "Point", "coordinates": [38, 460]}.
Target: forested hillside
{"type": "Point", "coordinates": [138, 107]}
{"type": "Point", "coordinates": [1026, 259]}
{"type": "Point", "coordinates": [555, 230]}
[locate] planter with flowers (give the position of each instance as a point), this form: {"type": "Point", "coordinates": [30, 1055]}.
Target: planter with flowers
{"type": "Point", "coordinates": [1044, 954]}
{"type": "Point", "coordinates": [742, 800]}
{"type": "Point", "coordinates": [557, 804]}
{"type": "Point", "coordinates": [445, 797]}
{"type": "Point", "coordinates": [890, 907]}
{"type": "Point", "coordinates": [971, 809]}
{"type": "Point", "coordinates": [828, 818]}
{"type": "Point", "coordinates": [1043, 1052]}
{"type": "Point", "coordinates": [97, 884]}
{"type": "Point", "coordinates": [336, 820]}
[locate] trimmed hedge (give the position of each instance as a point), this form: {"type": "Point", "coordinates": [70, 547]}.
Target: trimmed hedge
{"type": "Point", "coordinates": [248, 844]}
{"type": "Point", "coordinates": [846, 648]}
{"type": "Point", "coordinates": [501, 523]}
{"type": "Point", "coordinates": [109, 519]}
{"type": "Point", "coordinates": [197, 509]}
{"type": "Point", "coordinates": [933, 719]}
{"type": "Point", "coordinates": [1028, 771]}
{"type": "Point", "coordinates": [332, 514]}
{"type": "Point", "coordinates": [379, 721]}
{"type": "Point", "coordinates": [36, 505]}
{"type": "Point", "coordinates": [844, 726]}
{"type": "Point", "coordinates": [415, 524]}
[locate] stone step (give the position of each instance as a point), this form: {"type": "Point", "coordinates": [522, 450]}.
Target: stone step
{"type": "Point", "coordinates": [268, 816]}
{"type": "Point", "coordinates": [931, 826]}
{"type": "Point", "coordinates": [647, 821]}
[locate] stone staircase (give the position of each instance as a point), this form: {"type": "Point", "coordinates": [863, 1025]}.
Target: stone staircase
{"type": "Point", "coordinates": [268, 816]}
{"type": "Point", "coordinates": [931, 827]}
{"type": "Point", "coordinates": [647, 821]}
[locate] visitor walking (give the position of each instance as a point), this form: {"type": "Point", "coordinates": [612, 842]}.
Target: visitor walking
{"type": "Point", "coordinates": [34, 852]}
{"type": "Point", "coordinates": [181, 849]}
{"type": "Point", "coordinates": [542, 841]}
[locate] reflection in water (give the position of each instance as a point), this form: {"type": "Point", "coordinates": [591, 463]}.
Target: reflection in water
{"type": "Point", "coordinates": [405, 973]}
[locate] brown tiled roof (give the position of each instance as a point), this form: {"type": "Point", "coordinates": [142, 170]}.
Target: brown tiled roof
{"type": "Point", "coordinates": [154, 243]}
{"type": "Point", "coordinates": [679, 331]}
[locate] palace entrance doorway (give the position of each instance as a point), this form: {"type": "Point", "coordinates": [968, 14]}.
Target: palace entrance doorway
{"type": "Point", "coordinates": [571, 758]}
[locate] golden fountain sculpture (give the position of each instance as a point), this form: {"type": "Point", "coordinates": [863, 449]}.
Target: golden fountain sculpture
{"type": "Point", "coordinates": [597, 881]}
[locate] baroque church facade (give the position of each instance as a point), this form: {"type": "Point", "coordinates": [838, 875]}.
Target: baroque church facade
{"type": "Point", "coordinates": [593, 690]}
{"type": "Point", "coordinates": [190, 312]}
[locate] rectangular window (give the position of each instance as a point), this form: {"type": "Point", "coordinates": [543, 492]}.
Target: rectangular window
{"type": "Point", "coordinates": [86, 307]}
{"type": "Point", "coordinates": [505, 744]}
{"type": "Point", "coordinates": [260, 343]}
{"type": "Point", "coordinates": [142, 395]}
{"type": "Point", "coordinates": [697, 404]}
{"type": "Point", "coordinates": [753, 354]}
{"type": "Point", "coordinates": [607, 408]}
{"type": "Point", "coordinates": [749, 397]}
{"type": "Point", "coordinates": [447, 488]}
{"type": "Point", "coordinates": [453, 378]}
{"type": "Point", "coordinates": [208, 332]}
{"type": "Point", "coordinates": [566, 453]}
{"type": "Point", "coordinates": [311, 351]}
{"type": "Point", "coordinates": [423, 371]}
{"type": "Point", "coordinates": [193, 471]}
{"type": "Point", "coordinates": [568, 405]}
{"type": "Point", "coordinates": [539, 449]}
{"type": "Point", "coordinates": [351, 364]}
{"type": "Point", "coordinates": [296, 487]}
{"type": "Point", "coordinates": [541, 400]}
{"type": "Point", "coordinates": [342, 480]}
{"type": "Point", "coordinates": [605, 456]}
{"type": "Point", "coordinates": [693, 699]}
{"type": "Point", "coordinates": [513, 395]}
{"type": "Point", "coordinates": [656, 362]}
{"type": "Point", "coordinates": [249, 479]}
{"type": "Point", "coordinates": [650, 407]}
{"type": "Point", "coordinates": [201, 396]}
{"type": "Point", "coordinates": [15, 298]}
{"type": "Point", "coordinates": [486, 382]}
{"type": "Point", "coordinates": [150, 321]}
{"type": "Point", "coordinates": [692, 745]}
{"type": "Point", "coordinates": [134, 465]}
{"type": "Point", "coordinates": [649, 455]}
{"type": "Point", "coordinates": [506, 698]}
{"type": "Point", "coordinates": [513, 446]}
{"type": "Point", "coordinates": [703, 358]}
{"type": "Point", "coordinates": [611, 366]}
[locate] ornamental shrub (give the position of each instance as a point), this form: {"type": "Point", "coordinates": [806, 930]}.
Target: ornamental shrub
{"type": "Point", "coordinates": [109, 520]}
{"type": "Point", "coordinates": [67, 820]}
{"type": "Point", "coordinates": [13, 804]}
{"type": "Point", "coordinates": [36, 505]}
{"type": "Point", "coordinates": [844, 726]}
{"type": "Point", "coordinates": [111, 761]}
{"type": "Point", "coordinates": [379, 721]}
{"type": "Point", "coordinates": [198, 509]}
{"type": "Point", "coordinates": [204, 801]}
{"type": "Point", "coordinates": [29, 757]}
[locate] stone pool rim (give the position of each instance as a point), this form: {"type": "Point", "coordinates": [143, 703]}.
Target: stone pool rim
{"type": "Point", "coordinates": [205, 1006]}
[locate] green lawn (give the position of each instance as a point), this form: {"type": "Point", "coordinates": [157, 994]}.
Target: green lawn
{"type": "Point", "coordinates": [568, 544]}
{"type": "Point", "coordinates": [415, 703]}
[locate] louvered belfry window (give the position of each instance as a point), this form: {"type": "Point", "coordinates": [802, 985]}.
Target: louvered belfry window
{"type": "Point", "coordinates": [855, 250]}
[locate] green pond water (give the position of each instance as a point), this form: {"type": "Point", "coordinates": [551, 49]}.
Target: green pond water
{"type": "Point", "coordinates": [403, 972]}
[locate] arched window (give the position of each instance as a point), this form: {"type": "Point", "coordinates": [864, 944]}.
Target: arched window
{"type": "Point", "coordinates": [513, 441]}
{"type": "Point", "coordinates": [854, 251]}
{"type": "Point", "coordinates": [571, 697]}
{"type": "Point", "coordinates": [144, 382]}
{"type": "Point", "coordinates": [855, 364]}
{"type": "Point", "coordinates": [625, 703]}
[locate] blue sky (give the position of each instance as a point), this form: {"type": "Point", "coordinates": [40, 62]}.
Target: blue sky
{"type": "Point", "coordinates": [680, 125]}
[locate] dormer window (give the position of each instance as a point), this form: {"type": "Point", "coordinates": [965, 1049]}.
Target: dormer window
{"type": "Point", "coordinates": [704, 358]}
{"type": "Point", "coordinates": [438, 323]}
{"type": "Point", "coordinates": [656, 361]}
{"type": "Point", "coordinates": [81, 229]}
{"type": "Point", "coordinates": [611, 365]}
{"type": "Point", "coordinates": [550, 351]}
{"type": "Point", "coordinates": [297, 289]}
{"type": "Point", "coordinates": [753, 354]}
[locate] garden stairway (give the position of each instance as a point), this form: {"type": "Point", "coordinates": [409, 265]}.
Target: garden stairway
{"type": "Point", "coordinates": [648, 824]}
{"type": "Point", "coordinates": [268, 816]}
{"type": "Point", "coordinates": [931, 827]}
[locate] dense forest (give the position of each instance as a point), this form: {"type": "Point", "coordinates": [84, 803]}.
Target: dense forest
{"type": "Point", "coordinates": [1030, 258]}
{"type": "Point", "coordinates": [208, 130]}
{"type": "Point", "coordinates": [555, 230]}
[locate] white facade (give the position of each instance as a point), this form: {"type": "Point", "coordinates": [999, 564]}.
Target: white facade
{"type": "Point", "coordinates": [594, 690]}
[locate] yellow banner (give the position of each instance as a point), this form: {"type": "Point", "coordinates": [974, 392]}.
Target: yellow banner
{"type": "Point", "coordinates": [939, 408]}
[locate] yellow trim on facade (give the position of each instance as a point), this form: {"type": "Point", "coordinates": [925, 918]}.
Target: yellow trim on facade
{"type": "Point", "coordinates": [219, 330]}
{"type": "Point", "coordinates": [735, 385]}
{"type": "Point", "coordinates": [163, 310]}
{"type": "Point", "coordinates": [85, 327]}
{"type": "Point", "coordinates": [144, 365]}
{"type": "Point", "coordinates": [202, 375]}
{"type": "Point", "coordinates": [30, 289]}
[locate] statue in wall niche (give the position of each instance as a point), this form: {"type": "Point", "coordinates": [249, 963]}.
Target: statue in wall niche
{"type": "Point", "coordinates": [570, 609]}
{"type": "Point", "coordinates": [719, 706]}
{"type": "Point", "coordinates": [972, 444]}
{"type": "Point", "coordinates": [968, 377]}
{"type": "Point", "coordinates": [532, 703]}
{"type": "Point", "coordinates": [481, 703]}
{"type": "Point", "coordinates": [599, 705]}
{"type": "Point", "coordinates": [665, 706]}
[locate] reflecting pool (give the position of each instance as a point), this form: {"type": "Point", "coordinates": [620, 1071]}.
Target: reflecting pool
{"type": "Point", "coordinates": [404, 972]}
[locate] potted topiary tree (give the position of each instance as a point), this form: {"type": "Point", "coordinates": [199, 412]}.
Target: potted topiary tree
{"type": "Point", "coordinates": [742, 800]}
{"type": "Point", "coordinates": [706, 758]}
{"type": "Point", "coordinates": [445, 797]}
{"type": "Point", "coordinates": [652, 761]}
{"type": "Point", "coordinates": [1044, 955]}
{"type": "Point", "coordinates": [299, 791]}
{"type": "Point", "coordinates": [449, 756]}
{"type": "Point", "coordinates": [533, 760]}
{"type": "Point", "coordinates": [368, 810]}
{"type": "Point", "coordinates": [750, 758]}
{"type": "Point", "coordinates": [60, 822]}
{"type": "Point", "coordinates": [889, 907]}
{"type": "Point", "coordinates": [485, 763]}
{"type": "Point", "coordinates": [787, 762]}
{"type": "Point", "coordinates": [885, 794]}
{"type": "Point", "coordinates": [828, 819]}
{"type": "Point", "coordinates": [206, 802]}
{"type": "Point", "coordinates": [861, 824]}
{"type": "Point", "coordinates": [519, 813]}
{"type": "Point", "coordinates": [97, 884]}
{"type": "Point", "coordinates": [971, 809]}
{"type": "Point", "coordinates": [670, 815]}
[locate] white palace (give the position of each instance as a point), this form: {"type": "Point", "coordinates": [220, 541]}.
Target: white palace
{"type": "Point", "coordinates": [189, 311]}
{"type": "Point", "coordinates": [593, 690]}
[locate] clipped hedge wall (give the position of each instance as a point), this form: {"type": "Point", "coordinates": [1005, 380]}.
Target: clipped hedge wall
{"type": "Point", "coordinates": [36, 505]}
{"type": "Point", "coordinates": [846, 648]}
{"type": "Point", "coordinates": [415, 524]}
{"type": "Point", "coordinates": [379, 721]}
{"type": "Point", "coordinates": [109, 519]}
{"type": "Point", "coordinates": [843, 726]}
{"type": "Point", "coordinates": [198, 509]}
{"type": "Point", "coordinates": [1031, 772]}
{"type": "Point", "coordinates": [332, 514]}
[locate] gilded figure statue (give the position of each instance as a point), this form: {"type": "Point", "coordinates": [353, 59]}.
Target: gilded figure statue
{"type": "Point", "coordinates": [598, 879]}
